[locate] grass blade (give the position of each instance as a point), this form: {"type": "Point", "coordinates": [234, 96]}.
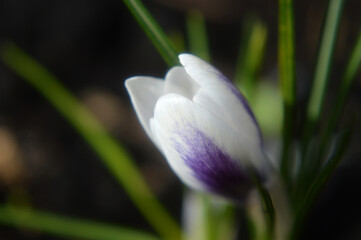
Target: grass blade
{"type": "Point", "coordinates": [251, 54]}
{"type": "Point", "coordinates": [323, 65]}
{"type": "Point", "coordinates": [153, 31]}
{"type": "Point", "coordinates": [66, 226]}
{"type": "Point", "coordinates": [347, 80]}
{"type": "Point", "coordinates": [113, 155]}
{"type": "Point", "coordinates": [340, 99]}
{"type": "Point", "coordinates": [197, 35]}
{"type": "Point", "coordinates": [287, 80]}
{"type": "Point", "coordinates": [310, 166]}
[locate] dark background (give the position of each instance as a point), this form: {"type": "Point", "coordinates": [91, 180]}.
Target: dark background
{"type": "Point", "coordinates": [92, 47]}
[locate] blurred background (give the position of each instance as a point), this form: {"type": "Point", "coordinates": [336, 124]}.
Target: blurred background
{"type": "Point", "coordinates": [92, 47]}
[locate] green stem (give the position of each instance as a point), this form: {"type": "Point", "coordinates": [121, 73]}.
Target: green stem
{"type": "Point", "coordinates": [65, 226]}
{"type": "Point", "coordinates": [153, 31]}
{"type": "Point", "coordinates": [210, 228]}
{"type": "Point", "coordinates": [287, 80]}
{"type": "Point", "coordinates": [113, 155]}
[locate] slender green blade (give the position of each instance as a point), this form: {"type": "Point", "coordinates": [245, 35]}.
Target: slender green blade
{"type": "Point", "coordinates": [197, 34]}
{"type": "Point", "coordinates": [267, 106]}
{"type": "Point", "coordinates": [113, 155]}
{"type": "Point", "coordinates": [287, 79]}
{"type": "Point", "coordinates": [347, 81]}
{"type": "Point", "coordinates": [250, 57]}
{"type": "Point", "coordinates": [286, 51]}
{"type": "Point", "coordinates": [323, 65]}
{"type": "Point", "coordinates": [153, 31]}
{"type": "Point", "coordinates": [338, 104]}
{"type": "Point", "coordinates": [310, 165]}
{"type": "Point", "coordinates": [65, 226]}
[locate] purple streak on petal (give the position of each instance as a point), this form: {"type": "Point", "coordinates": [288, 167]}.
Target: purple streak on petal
{"type": "Point", "coordinates": [238, 94]}
{"type": "Point", "coordinates": [242, 100]}
{"type": "Point", "coordinates": [217, 171]}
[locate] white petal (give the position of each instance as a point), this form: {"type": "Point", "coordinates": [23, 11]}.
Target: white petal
{"type": "Point", "coordinates": [220, 97]}
{"type": "Point", "coordinates": [234, 114]}
{"type": "Point", "coordinates": [144, 93]}
{"type": "Point", "coordinates": [178, 120]}
{"type": "Point", "coordinates": [178, 81]}
{"type": "Point", "coordinates": [201, 71]}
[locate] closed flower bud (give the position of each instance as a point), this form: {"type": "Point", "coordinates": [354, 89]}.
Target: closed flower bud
{"type": "Point", "coordinates": [203, 126]}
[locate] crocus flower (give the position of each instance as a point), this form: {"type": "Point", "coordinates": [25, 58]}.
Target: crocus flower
{"type": "Point", "coordinates": [203, 126]}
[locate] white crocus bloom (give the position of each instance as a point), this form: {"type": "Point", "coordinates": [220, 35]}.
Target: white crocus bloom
{"type": "Point", "coordinates": [203, 126]}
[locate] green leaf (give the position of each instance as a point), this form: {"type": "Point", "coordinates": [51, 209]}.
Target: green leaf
{"type": "Point", "coordinates": [288, 82]}
{"type": "Point", "coordinates": [323, 67]}
{"type": "Point", "coordinates": [269, 115]}
{"type": "Point", "coordinates": [153, 31]}
{"type": "Point", "coordinates": [197, 34]}
{"type": "Point", "coordinates": [340, 99]}
{"type": "Point", "coordinates": [66, 226]}
{"type": "Point", "coordinates": [312, 159]}
{"type": "Point", "coordinates": [325, 56]}
{"type": "Point", "coordinates": [338, 104]}
{"type": "Point", "coordinates": [250, 57]}
{"type": "Point", "coordinates": [113, 155]}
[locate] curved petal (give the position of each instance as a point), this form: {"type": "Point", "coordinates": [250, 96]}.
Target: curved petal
{"type": "Point", "coordinates": [203, 150]}
{"type": "Point", "coordinates": [233, 114]}
{"type": "Point", "coordinates": [221, 97]}
{"type": "Point", "coordinates": [178, 81]}
{"type": "Point", "coordinates": [144, 93]}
